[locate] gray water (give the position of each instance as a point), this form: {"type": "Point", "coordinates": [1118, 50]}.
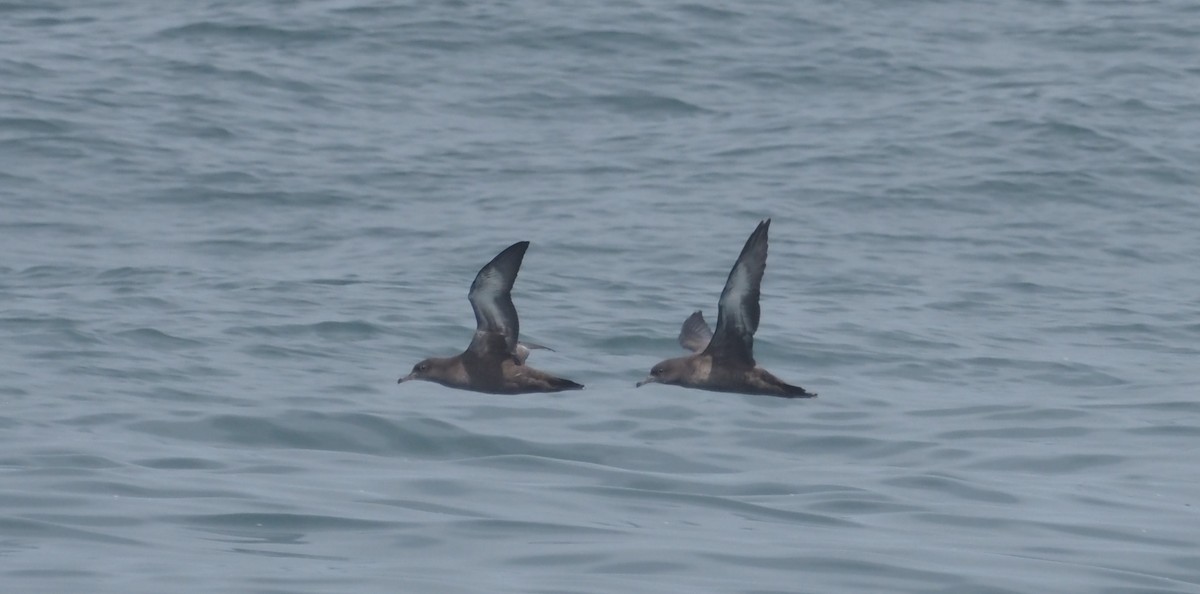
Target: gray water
{"type": "Point", "coordinates": [227, 228]}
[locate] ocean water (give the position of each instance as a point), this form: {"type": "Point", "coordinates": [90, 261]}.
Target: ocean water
{"type": "Point", "coordinates": [227, 228]}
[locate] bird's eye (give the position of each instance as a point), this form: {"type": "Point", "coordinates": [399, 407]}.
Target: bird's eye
{"type": "Point", "coordinates": [422, 367]}
{"type": "Point", "coordinates": [656, 371]}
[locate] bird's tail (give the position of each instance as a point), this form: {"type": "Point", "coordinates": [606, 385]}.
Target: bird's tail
{"type": "Point", "coordinates": [559, 384]}
{"type": "Point", "coordinates": [797, 392]}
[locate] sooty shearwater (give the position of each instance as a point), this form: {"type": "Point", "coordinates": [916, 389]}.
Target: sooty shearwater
{"type": "Point", "coordinates": [723, 360]}
{"type": "Point", "coordinates": [494, 362]}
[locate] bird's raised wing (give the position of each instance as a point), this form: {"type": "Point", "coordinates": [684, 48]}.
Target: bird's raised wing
{"type": "Point", "coordinates": [496, 324]}
{"type": "Point", "coordinates": [737, 313]}
{"type": "Point", "coordinates": [695, 335]}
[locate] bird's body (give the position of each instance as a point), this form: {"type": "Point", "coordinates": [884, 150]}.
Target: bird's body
{"type": "Point", "coordinates": [492, 376]}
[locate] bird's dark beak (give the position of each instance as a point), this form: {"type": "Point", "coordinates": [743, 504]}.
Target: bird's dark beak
{"type": "Point", "coordinates": [404, 379]}
{"type": "Point", "coordinates": [649, 380]}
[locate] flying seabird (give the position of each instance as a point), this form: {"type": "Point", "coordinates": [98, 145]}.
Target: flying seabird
{"type": "Point", "coordinates": [494, 362]}
{"type": "Point", "coordinates": [723, 360]}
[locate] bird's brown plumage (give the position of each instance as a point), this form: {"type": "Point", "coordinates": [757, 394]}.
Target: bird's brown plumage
{"type": "Point", "coordinates": [723, 359]}
{"type": "Point", "coordinates": [494, 362]}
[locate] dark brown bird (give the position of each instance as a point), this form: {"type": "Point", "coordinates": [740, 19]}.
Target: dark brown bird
{"type": "Point", "coordinates": [723, 360]}
{"type": "Point", "coordinates": [494, 362]}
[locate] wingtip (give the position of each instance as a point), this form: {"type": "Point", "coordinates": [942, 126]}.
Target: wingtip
{"type": "Point", "coordinates": [507, 263]}
{"type": "Point", "coordinates": [519, 246]}
{"type": "Point", "coordinates": [759, 236]}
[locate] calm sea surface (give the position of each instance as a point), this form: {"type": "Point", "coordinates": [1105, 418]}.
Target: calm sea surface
{"type": "Point", "coordinates": [226, 228]}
